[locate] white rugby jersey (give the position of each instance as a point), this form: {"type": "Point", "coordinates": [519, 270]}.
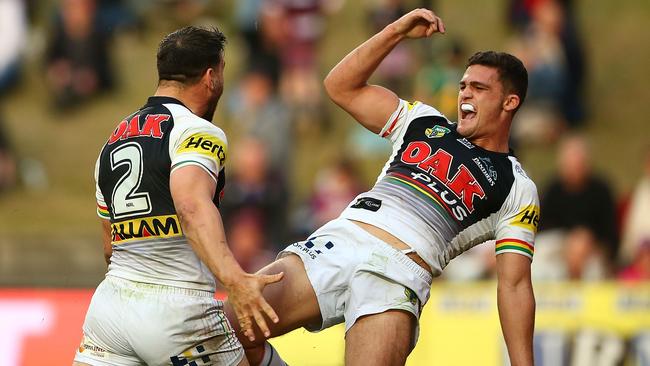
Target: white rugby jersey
{"type": "Point", "coordinates": [442, 195]}
{"type": "Point", "coordinates": [132, 188]}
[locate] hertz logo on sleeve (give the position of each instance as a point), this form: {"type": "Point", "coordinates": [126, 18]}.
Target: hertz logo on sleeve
{"type": "Point", "coordinates": [145, 228]}
{"type": "Point", "coordinates": [528, 218]}
{"type": "Point", "coordinates": [204, 144]}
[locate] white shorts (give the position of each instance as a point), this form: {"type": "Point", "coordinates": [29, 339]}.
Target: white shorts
{"type": "Point", "coordinates": [354, 274]}
{"type": "Point", "coordinates": [134, 323]}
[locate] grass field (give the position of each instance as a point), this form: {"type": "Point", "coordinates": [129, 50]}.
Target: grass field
{"type": "Point", "coordinates": [37, 226]}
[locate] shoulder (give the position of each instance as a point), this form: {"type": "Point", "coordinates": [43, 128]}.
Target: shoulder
{"type": "Point", "coordinates": [187, 124]}
{"type": "Point", "coordinates": [418, 109]}
{"type": "Point", "coordinates": [523, 184]}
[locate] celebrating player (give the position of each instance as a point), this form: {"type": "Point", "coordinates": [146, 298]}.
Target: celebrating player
{"type": "Point", "coordinates": [445, 188]}
{"type": "Point", "coordinates": [159, 180]}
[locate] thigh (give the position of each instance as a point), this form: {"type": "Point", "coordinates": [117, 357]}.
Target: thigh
{"type": "Point", "coordinates": [293, 299]}
{"type": "Point", "coordinates": [391, 341]}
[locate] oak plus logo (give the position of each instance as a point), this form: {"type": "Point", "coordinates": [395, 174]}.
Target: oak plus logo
{"type": "Point", "coordinates": [436, 168]}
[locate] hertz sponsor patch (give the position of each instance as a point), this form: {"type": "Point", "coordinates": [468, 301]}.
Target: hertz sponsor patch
{"type": "Point", "coordinates": [204, 144]}
{"type": "Point", "coordinates": [145, 228]}
{"type": "Point", "coordinates": [528, 218]}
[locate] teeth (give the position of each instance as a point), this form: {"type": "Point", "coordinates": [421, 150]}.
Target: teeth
{"type": "Point", "coordinates": [466, 107]}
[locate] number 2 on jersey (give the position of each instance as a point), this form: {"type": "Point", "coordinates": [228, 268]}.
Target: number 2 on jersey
{"type": "Point", "coordinates": [125, 201]}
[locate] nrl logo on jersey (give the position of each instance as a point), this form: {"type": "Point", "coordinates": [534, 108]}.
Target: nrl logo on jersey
{"type": "Point", "coordinates": [436, 132]}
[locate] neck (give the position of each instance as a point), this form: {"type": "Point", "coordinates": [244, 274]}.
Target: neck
{"type": "Point", "coordinates": [186, 94]}
{"type": "Point", "coordinates": [498, 139]}
{"type": "Point", "coordinates": [498, 142]}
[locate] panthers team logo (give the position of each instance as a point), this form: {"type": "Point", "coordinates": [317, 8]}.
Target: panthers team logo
{"type": "Point", "coordinates": [436, 132]}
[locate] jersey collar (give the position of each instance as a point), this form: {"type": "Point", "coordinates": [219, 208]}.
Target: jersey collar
{"type": "Point", "coordinates": [157, 100]}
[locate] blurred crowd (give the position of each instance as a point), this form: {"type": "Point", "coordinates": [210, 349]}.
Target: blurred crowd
{"type": "Point", "coordinates": [587, 231]}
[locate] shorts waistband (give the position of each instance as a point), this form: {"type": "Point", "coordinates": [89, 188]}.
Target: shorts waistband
{"type": "Point", "coordinates": [155, 288]}
{"type": "Point", "coordinates": [394, 253]}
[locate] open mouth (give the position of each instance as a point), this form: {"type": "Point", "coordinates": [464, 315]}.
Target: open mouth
{"type": "Point", "coordinates": [467, 111]}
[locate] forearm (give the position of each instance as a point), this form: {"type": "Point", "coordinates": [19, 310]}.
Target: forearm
{"type": "Point", "coordinates": [203, 228]}
{"type": "Point", "coordinates": [353, 72]}
{"type": "Point", "coordinates": [517, 315]}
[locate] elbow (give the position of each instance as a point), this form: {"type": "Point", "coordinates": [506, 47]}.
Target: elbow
{"type": "Point", "coordinates": [337, 90]}
{"type": "Point", "coordinates": [330, 86]}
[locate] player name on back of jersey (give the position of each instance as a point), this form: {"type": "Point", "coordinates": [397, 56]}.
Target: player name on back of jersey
{"type": "Point", "coordinates": [145, 228]}
{"type": "Point", "coordinates": [131, 128]}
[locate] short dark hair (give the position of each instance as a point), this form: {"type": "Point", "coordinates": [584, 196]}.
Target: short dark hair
{"type": "Point", "coordinates": [512, 73]}
{"type": "Point", "coordinates": [185, 54]}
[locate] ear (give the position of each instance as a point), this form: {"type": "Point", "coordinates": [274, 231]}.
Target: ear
{"type": "Point", "coordinates": [207, 78]}
{"type": "Point", "coordinates": [511, 102]}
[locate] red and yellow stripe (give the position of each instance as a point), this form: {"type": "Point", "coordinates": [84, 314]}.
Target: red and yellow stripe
{"type": "Point", "coordinates": [102, 211]}
{"type": "Point", "coordinates": [514, 245]}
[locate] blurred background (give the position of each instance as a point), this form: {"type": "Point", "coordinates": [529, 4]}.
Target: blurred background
{"type": "Point", "coordinates": [70, 70]}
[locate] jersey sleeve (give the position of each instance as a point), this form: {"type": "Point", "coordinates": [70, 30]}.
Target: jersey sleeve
{"type": "Point", "coordinates": [517, 224]}
{"type": "Point", "coordinates": [203, 146]}
{"type": "Point", "coordinates": [402, 117]}
{"type": "Point", "coordinates": [102, 208]}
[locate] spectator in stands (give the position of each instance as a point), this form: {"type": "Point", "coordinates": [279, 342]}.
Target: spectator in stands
{"type": "Point", "coordinates": [437, 82]}
{"type": "Point", "coordinates": [636, 224]}
{"type": "Point", "coordinates": [260, 113]}
{"type": "Point", "coordinates": [247, 240]}
{"type": "Point", "coordinates": [254, 186]}
{"type": "Point", "coordinates": [303, 28]}
{"type": "Point", "coordinates": [553, 54]}
{"type": "Point", "coordinates": [578, 198]}
{"type": "Point", "coordinates": [261, 26]}
{"type": "Point", "coordinates": [639, 269]}
{"type": "Point", "coordinates": [583, 257]}
{"type": "Point", "coordinates": [335, 187]}
{"type": "Point", "coordinates": [77, 57]}
{"type": "Point", "coordinates": [13, 30]}
{"type": "Point", "coordinates": [396, 70]}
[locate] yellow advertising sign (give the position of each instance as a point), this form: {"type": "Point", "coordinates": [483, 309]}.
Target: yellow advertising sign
{"type": "Point", "coordinates": [460, 325]}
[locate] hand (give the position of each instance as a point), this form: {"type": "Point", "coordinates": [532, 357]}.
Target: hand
{"type": "Point", "coordinates": [418, 23]}
{"type": "Point", "coordinates": [245, 296]}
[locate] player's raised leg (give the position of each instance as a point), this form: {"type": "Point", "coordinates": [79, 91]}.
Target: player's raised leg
{"type": "Point", "coordinates": [293, 300]}
{"type": "Point", "coordinates": [392, 339]}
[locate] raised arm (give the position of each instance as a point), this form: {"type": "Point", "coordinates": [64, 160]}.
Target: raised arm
{"type": "Point", "coordinates": [516, 303]}
{"type": "Point", "coordinates": [347, 83]}
{"type": "Point", "coordinates": [192, 190]}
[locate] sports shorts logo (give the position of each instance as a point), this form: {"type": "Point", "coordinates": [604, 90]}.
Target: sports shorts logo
{"type": "Point", "coordinates": [367, 203]}
{"type": "Point", "coordinates": [436, 132]}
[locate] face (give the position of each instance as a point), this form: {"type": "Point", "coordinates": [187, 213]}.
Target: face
{"type": "Point", "coordinates": [480, 102]}
{"type": "Point", "coordinates": [215, 88]}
